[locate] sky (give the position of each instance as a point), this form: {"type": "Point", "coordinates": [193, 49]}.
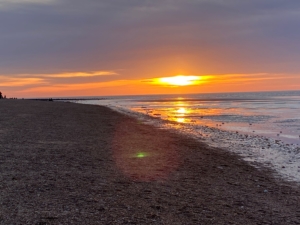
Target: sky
{"type": "Point", "coordinates": [57, 48]}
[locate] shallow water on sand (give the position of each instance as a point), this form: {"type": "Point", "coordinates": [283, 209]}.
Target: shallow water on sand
{"type": "Point", "coordinates": [262, 127]}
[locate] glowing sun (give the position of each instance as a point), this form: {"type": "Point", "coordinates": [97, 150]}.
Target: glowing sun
{"type": "Point", "coordinates": [179, 80]}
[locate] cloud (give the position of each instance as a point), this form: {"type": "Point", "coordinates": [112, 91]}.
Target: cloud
{"type": "Point", "coordinates": [23, 80]}
{"type": "Point", "coordinates": [77, 74]}
{"type": "Point", "coordinates": [16, 3]}
{"type": "Point", "coordinates": [13, 82]}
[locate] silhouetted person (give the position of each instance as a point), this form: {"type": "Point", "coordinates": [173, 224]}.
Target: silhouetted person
{"type": "Point", "coordinates": [1, 95]}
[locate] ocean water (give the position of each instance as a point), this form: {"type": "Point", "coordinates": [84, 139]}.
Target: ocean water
{"type": "Point", "coordinates": [262, 127]}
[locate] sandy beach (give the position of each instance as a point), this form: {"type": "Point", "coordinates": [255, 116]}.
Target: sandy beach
{"type": "Point", "coordinates": [66, 163]}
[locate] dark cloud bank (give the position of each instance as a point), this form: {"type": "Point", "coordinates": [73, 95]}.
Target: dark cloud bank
{"type": "Point", "coordinates": [216, 36]}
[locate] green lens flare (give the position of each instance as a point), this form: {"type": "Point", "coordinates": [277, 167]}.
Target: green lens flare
{"type": "Point", "coordinates": [141, 155]}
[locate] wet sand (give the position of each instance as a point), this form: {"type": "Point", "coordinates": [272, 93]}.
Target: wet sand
{"type": "Point", "coordinates": [65, 163]}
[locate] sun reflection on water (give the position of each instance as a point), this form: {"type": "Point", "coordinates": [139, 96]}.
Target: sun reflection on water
{"type": "Point", "coordinates": [180, 120]}
{"type": "Point", "coordinates": [181, 110]}
{"type": "Point", "coordinates": [180, 114]}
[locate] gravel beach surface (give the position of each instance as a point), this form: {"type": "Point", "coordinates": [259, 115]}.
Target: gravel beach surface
{"type": "Point", "coordinates": [66, 163]}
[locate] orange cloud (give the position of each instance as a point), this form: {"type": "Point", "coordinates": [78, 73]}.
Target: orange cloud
{"type": "Point", "coordinates": [79, 74]}
{"type": "Point", "coordinates": [9, 82]}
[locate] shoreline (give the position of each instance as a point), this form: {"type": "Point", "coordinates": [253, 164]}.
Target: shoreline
{"type": "Point", "coordinates": [83, 164]}
{"type": "Point", "coordinates": [263, 150]}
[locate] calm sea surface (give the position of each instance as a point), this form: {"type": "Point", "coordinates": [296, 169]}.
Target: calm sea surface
{"type": "Point", "coordinates": [272, 114]}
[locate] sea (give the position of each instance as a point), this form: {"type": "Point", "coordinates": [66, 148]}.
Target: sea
{"type": "Point", "coordinates": [262, 127]}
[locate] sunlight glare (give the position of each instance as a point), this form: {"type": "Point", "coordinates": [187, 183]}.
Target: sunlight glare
{"type": "Point", "coordinates": [180, 80]}
{"type": "Point", "coordinates": [180, 120]}
{"type": "Point", "coordinates": [181, 110]}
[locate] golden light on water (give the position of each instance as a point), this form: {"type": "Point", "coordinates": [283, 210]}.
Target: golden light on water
{"type": "Point", "coordinates": [180, 115]}
{"type": "Point", "coordinates": [181, 110]}
{"type": "Point", "coordinates": [180, 120]}
{"type": "Point", "coordinates": [179, 80]}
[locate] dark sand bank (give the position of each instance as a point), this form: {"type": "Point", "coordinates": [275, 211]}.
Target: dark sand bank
{"type": "Point", "coordinates": [64, 163]}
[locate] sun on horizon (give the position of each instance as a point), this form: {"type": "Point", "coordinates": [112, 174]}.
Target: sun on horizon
{"type": "Point", "coordinates": [179, 80]}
